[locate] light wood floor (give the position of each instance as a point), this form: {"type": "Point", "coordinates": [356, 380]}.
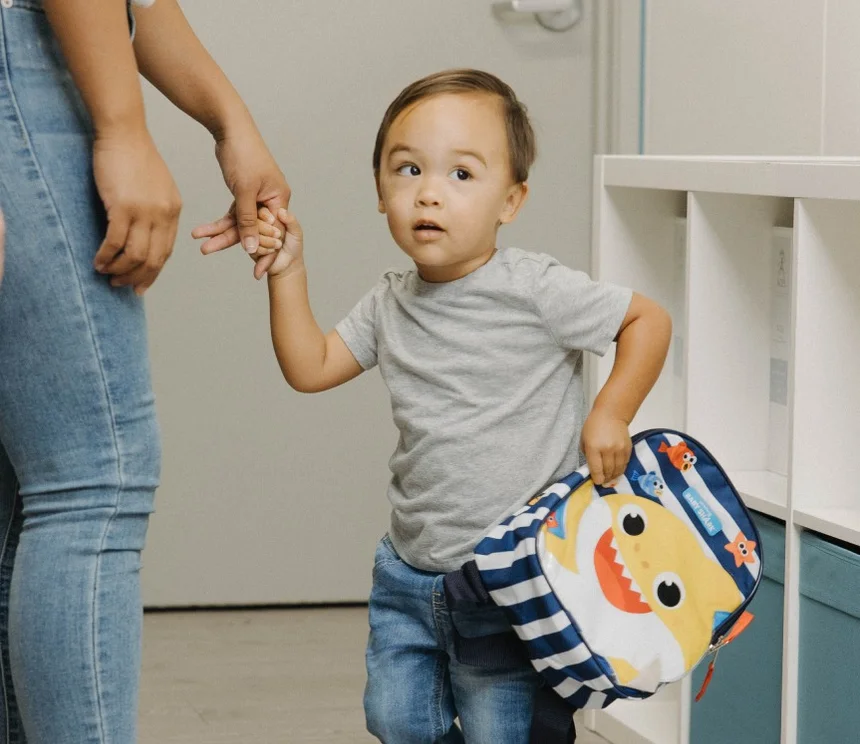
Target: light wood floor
{"type": "Point", "coordinates": [261, 676]}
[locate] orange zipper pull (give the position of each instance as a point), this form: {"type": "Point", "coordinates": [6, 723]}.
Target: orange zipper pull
{"type": "Point", "coordinates": [739, 627]}
{"type": "Point", "coordinates": [707, 680]}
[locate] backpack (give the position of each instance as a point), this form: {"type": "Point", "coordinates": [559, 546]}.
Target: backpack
{"type": "Point", "coordinates": [618, 590]}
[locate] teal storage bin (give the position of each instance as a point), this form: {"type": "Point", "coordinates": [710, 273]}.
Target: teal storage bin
{"type": "Point", "coordinates": [743, 702]}
{"type": "Point", "coordinates": [829, 658]}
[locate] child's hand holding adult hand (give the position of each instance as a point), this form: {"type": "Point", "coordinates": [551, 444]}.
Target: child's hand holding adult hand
{"type": "Point", "coordinates": [290, 257]}
{"type": "Point", "coordinates": [607, 446]}
{"type": "Point", "coordinates": [282, 236]}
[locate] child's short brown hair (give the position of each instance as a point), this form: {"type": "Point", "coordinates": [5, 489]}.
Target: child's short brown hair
{"type": "Point", "coordinates": [521, 136]}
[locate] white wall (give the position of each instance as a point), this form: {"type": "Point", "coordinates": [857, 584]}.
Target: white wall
{"type": "Point", "coordinates": [841, 130]}
{"type": "Point", "coordinates": [769, 77]}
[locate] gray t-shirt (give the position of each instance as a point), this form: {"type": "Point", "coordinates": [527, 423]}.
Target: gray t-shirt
{"type": "Point", "coordinates": [485, 375]}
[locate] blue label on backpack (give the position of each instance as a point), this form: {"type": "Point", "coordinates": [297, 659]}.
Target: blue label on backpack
{"type": "Point", "coordinates": [709, 520]}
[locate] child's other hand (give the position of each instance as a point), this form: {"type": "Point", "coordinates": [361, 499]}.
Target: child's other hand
{"type": "Point", "coordinates": [607, 446]}
{"type": "Point", "coordinates": [291, 256]}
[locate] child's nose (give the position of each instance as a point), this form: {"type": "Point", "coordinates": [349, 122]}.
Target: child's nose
{"type": "Point", "coordinates": [428, 194]}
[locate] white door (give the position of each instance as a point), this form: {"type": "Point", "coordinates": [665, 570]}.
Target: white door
{"type": "Point", "coordinates": [269, 496]}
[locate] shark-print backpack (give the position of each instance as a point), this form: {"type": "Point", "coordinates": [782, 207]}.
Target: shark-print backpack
{"type": "Point", "coordinates": [620, 589]}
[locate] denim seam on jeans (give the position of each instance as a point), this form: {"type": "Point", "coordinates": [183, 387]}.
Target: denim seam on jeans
{"type": "Point", "coordinates": [3, 670]}
{"type": "Point", "coordinates": [439, 613]}
{"type": "Point", "coordinates": [48, 196]}
{"type": "Point", "coordinates": [6, 68]}
{"type": "Point", "coordinates": [97, 573]}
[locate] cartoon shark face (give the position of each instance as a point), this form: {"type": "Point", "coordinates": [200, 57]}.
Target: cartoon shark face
{"type": "Point", "coordinates": [652, 590]}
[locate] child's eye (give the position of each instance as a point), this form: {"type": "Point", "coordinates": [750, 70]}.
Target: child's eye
{"type": "Point", "coordinates": [409, 170]}
{"type": "Point", "coordinates": [461, 174]}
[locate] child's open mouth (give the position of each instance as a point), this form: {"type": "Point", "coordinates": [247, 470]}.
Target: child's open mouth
{"type": "Point", "coordinates": [427, 230]}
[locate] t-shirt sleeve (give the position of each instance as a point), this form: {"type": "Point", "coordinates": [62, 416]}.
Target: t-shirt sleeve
{"type": "Point", "coordinates": [580, 313]}
{"type": "Point", "coordinates": [358, 329]}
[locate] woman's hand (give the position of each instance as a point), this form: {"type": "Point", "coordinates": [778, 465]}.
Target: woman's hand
{"type": "Point", "coordinates": [172, 58]}
{"type": "Point", "coordinates": [255, 180]}
{"type": "Point", "coordinates": [142, 204]}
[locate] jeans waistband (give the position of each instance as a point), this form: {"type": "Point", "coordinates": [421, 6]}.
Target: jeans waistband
{"type": "Point", "coordinates": [38, 7]}
{"type": "Point", "coordinates": [28, 5]}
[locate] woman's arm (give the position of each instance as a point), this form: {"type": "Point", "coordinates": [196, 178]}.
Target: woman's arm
{"type": "Point", "coordinates": [138, 192]}
{"type": "Point", "coordinates": [94, 37]}
{"type": "Point", "coordinates": [174, 60]}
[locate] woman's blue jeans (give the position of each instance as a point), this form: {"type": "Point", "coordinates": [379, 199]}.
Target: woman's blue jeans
{"type": "Point", "coordinates": [79, 443]}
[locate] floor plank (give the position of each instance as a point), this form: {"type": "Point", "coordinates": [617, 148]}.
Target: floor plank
{"type": "Point", "coordinates": [262, 676]}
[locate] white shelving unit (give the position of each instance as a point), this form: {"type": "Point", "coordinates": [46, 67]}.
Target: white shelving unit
{"type": "Point", "coordinates": [758, 261]}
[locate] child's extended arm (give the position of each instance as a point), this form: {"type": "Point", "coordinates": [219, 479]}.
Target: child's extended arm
{"type": "Point", "coordinates": [310, 360]}
{"type": "Point", "coordinates": [641, 346]}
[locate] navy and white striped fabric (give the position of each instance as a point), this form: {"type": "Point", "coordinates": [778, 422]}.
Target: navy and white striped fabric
{"type": "Point", "coordinates": [694, 488]}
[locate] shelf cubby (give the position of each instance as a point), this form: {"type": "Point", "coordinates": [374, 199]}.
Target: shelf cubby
{"type": "Point", "coordinates": [643, 246]}
{"type": "Point", "coordinates": [827, 394]}
{"type": "Point", "coordinates": [733, 377]}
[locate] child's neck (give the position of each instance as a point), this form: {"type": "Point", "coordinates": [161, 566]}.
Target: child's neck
{"type": "Point", "coordinates": [441, 274]}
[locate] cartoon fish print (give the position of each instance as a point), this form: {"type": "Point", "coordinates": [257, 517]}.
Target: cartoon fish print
{"type": "Point", "coordinates": [654, 593]}
{"type": "Point", "coordinates": [742, 549]}
{"type": "Point", "coordinates": [651, 483]}
{"type": "Point", "coordinates": [680, 455]}
{"type": "Point", "coordinates": [555, 521]}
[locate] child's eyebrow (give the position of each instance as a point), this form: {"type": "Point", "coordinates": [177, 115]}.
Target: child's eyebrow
{"type": "Point", "coordinates": [472, 154]}
{"type": "Point", "coordinates": [398, 148]}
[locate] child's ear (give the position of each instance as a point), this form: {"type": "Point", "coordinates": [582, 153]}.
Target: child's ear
{"type": "Point", "coordinates": [380, 204]}
{"type": "Point", "coordinates": [514, 201]}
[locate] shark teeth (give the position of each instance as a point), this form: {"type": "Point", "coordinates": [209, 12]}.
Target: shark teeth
{"type": "Point", "coordinates": [625, 572]}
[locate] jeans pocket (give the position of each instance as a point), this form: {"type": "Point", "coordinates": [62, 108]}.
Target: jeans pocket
{"type": "Point", "coordinates": [30, 40]}
{"type": "Point", "coordinates": [385, 554]}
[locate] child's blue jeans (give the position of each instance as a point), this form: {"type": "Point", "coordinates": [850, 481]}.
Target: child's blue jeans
{"type": "Point", "coordinates": [415, 685]}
